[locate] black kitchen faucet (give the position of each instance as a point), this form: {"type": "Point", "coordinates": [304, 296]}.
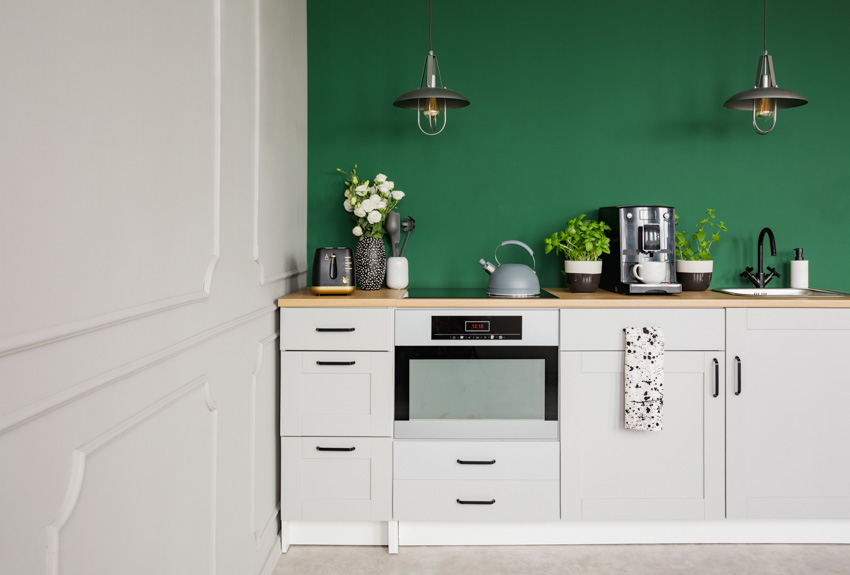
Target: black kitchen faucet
{"type": "Point", "coordinates": [759, 279]}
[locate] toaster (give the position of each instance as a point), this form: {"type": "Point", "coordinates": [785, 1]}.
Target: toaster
{"type": "Point", "coordinates": [333, 271]}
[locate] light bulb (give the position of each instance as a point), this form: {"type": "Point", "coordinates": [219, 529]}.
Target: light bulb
{"type": "Point", "coordinates": [432, 108]}
{"type": "Point", "coordinates": [431, 111]}
{"type": "Point", "coordinates": [765, 108]}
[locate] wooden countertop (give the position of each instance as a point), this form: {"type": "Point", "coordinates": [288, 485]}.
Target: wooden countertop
{"type": "Point", "coordinates": [565, 299]}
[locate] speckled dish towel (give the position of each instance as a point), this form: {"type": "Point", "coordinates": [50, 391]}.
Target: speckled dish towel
{"type": "Point", "coordinates": [644, 378]}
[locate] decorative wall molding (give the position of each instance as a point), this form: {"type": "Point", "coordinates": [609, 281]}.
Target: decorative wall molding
{"type": "Point", "coordinates": [86, 451]}
{"type": "Point", "coordinates": [258, 531]}
{"type": "Point", "coordinates": [256, 183]}
{"type": "Point", "coordinates": [22, 342]}
{"type": "Point", "coordinates": [74, 393]}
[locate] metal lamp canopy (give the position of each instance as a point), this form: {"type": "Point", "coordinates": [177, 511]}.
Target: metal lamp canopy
{"type": "Point", "coordinates": [431, 99]}
{"type": "Point", "coordinates": [766, 98]}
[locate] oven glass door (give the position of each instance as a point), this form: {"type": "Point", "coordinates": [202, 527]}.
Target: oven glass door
{"type": "Point", "coordinates": [476, 391]}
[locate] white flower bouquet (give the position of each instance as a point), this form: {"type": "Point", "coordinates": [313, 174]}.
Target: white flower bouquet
{"type": "Point", "coordinates": [368, 203]}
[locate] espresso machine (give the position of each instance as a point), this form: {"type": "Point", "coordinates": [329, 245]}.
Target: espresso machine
{"type": "Point", "coordinates": [643, 250]}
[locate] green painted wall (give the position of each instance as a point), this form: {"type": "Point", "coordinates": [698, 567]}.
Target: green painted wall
{"type": "Point", "coordinates": [576, 105]}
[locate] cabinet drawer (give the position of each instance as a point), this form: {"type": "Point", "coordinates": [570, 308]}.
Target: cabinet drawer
{"type": "Point", "coordinates": [602, 329]}
{"type": "Point", "coordinates": [343, 329]}
{"type": "Point", "coordinates": [319, 483]}
{"type": "Point", "coordinates": [430, 500]}
{"type": "Point", "coordinates": [478, 460]}
{"type": "Point", "coordinates": [336, 393]}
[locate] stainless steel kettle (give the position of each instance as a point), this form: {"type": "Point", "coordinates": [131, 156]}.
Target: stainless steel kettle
{"type": "Point", "coordinates": [512, 280]}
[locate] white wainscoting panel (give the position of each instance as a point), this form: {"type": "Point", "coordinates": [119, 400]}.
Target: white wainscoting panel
{"type": "Point", "coordinates": [265, 471]}
{"type": "Point", "coordinates": [135, 141]}
{"type": "Point", "coordinates": [280, 170]}
{"type": "Point", "coordinates": [120, 491]}
{"type": "Point", "coordinates": [114, 107]}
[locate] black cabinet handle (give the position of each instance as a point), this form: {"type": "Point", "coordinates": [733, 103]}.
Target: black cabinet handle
{"type": "Point", "coordinates": [335, 363]}
{"type": "Point", "coordinates": [334, 329]}
{"type": "Point", "coordinates": [318, 448]}
{"type": "Point", "coordinates": [738, 361]}
{"type": "Point", "coordinates": [462, 502]}
{"type": "Point", "coordinates": [716, 377]}
{"type": "Point", "coordinates": [462, 462]}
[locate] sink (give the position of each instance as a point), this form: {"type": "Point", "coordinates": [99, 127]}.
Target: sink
{"type": "Point", "coordinates": [782, 292]}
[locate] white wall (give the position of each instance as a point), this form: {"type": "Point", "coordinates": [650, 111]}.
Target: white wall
{"type": "Point", "coordinates": [152, 209]}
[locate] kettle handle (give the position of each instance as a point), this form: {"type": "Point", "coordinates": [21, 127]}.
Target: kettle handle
{"type": "Point", "coordinates": [516, 243]}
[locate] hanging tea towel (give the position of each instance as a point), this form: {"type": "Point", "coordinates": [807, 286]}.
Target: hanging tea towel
{"type": "Point", "coordinates": [644, 378]}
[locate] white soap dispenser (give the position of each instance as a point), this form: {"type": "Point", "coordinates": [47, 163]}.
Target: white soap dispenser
{"type": "Point", "coordinates": [799, 270]}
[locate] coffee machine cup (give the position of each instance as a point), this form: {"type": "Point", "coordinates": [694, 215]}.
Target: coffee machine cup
{"type": "Point", "coordinates": [651, 272]}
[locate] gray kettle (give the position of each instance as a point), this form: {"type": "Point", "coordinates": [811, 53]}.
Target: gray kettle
{"type": "Point", "coordinates": [512, 280]}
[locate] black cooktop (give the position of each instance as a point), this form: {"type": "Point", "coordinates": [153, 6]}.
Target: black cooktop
{"type": "Point", "coordinates": [463, 293]}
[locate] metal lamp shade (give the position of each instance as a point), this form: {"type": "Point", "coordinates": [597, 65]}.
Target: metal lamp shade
{"type": "Point", "coordinates": [784, 98]}
{"type": "Point", "coordinates": [414, 99]}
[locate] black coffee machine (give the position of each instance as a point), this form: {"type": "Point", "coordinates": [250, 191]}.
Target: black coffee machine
{"type": "Point", "coordinates": [643, 250]}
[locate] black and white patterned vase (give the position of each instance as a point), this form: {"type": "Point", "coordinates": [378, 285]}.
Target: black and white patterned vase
{"type": "Point", "coordinates": [370, 263]}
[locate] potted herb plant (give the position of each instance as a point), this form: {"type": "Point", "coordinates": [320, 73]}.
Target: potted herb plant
{"type": "Point", "coordinates": [694, 265]}
{"type": "Point", "coordinates": [581, 243]}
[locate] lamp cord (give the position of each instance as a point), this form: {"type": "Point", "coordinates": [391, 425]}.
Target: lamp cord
{"type": "Point", "coordinates": [431, 23]}
{"type": "Point", "coordinates": [765, 26]}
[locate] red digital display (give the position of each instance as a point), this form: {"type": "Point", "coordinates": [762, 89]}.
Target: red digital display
{"type": "Point", "coordinates": [477, 326]}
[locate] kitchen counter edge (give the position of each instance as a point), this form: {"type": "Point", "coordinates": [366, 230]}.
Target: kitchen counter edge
{"type": "Point", "coordinates": [565, 299]}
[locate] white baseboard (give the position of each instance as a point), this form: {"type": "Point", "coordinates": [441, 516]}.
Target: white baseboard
{"type": "Point", "coordinates": [338, 533]}
{"type": "Point", "coordinates": [622, 533]}
{"type": "Point", "coordinates": [416, 533]}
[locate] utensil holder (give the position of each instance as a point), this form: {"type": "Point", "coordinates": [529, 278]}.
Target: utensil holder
{"type": "Point", "coordinates": [397, 273]}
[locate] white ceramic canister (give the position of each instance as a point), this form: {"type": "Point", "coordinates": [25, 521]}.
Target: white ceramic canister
{"type": "Point", "coordinates": [397, 273]}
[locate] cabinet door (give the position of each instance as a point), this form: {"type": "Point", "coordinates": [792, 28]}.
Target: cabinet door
{"type": "Point", "coordinates": [336, 478]}
{"type": "Point", "coordinates": [336, 393]}
{"type": "Point", "coordinates": [787, 422]}
{"type": "Point", "coordinates": [612, 473]}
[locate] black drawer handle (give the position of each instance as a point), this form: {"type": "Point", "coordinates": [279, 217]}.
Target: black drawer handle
{"type": "Point", "coordinates": [334, 329]}
{"type": "Point", "coordinates": [462, 502]}
{"type": "Point", "coordinates": [335, 363]}
{"type": "Point", "coordinates": [318, 448]}
{"type": "Point", "coordinates": [462, 462]}
{"type": "Point", "coordinates": [716, 377]}
{"type": "Point", "coordinates": [738, 362]}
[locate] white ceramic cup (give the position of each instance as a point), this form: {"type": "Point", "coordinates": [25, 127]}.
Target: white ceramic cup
{"type": "Point", "coordinates": [651, 272]}
{"type": "Point", "coordinates": [397, 273]}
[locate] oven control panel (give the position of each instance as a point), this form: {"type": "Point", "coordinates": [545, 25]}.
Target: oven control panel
{"type": "Point", "coordinates": [497, 327]}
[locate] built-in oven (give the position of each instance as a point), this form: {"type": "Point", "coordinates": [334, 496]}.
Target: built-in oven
{"type": "Point", "coordinates": [476, 374]}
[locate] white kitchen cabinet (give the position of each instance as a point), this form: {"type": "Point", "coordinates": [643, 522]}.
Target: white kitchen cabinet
{"type": "Point", "coordinates": [336, 393]}
{"type": "Point", "coordinates": [611, 473]}
{"type": "Point", "coordinates": [787, 424]}
{"type": "Point", "coordinates": [475, 480]}
{"type": "Point", "coordinates": [336, 414]}
{"type": "Point", "coordinates": [336, 479]}
{"type": "Point", "coordinates": [354, 329]}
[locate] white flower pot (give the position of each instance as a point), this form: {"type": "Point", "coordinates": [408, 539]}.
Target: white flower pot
{"type": "Point", "coordinates": [583, 277]}
{"type": "Point", "coordinates": [573, 267]}
{"type": "Point", "coordinates": [694, 275]}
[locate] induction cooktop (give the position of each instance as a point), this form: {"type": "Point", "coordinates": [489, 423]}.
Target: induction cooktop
{"type": "Point", "coordinates": [463, 293]}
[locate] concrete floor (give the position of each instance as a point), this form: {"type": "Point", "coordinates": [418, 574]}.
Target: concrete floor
{"type": "Point", "coordinates": [570, 560]}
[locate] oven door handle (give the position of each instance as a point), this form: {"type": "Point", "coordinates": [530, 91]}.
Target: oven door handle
{"type": "Point", "coordinates": [462, 462]}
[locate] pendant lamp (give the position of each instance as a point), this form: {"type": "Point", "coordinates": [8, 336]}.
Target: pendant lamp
{"type": "Point", "coordinates": [431, 100]}
{"type": "Point", "coordinates": [766, 98]}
